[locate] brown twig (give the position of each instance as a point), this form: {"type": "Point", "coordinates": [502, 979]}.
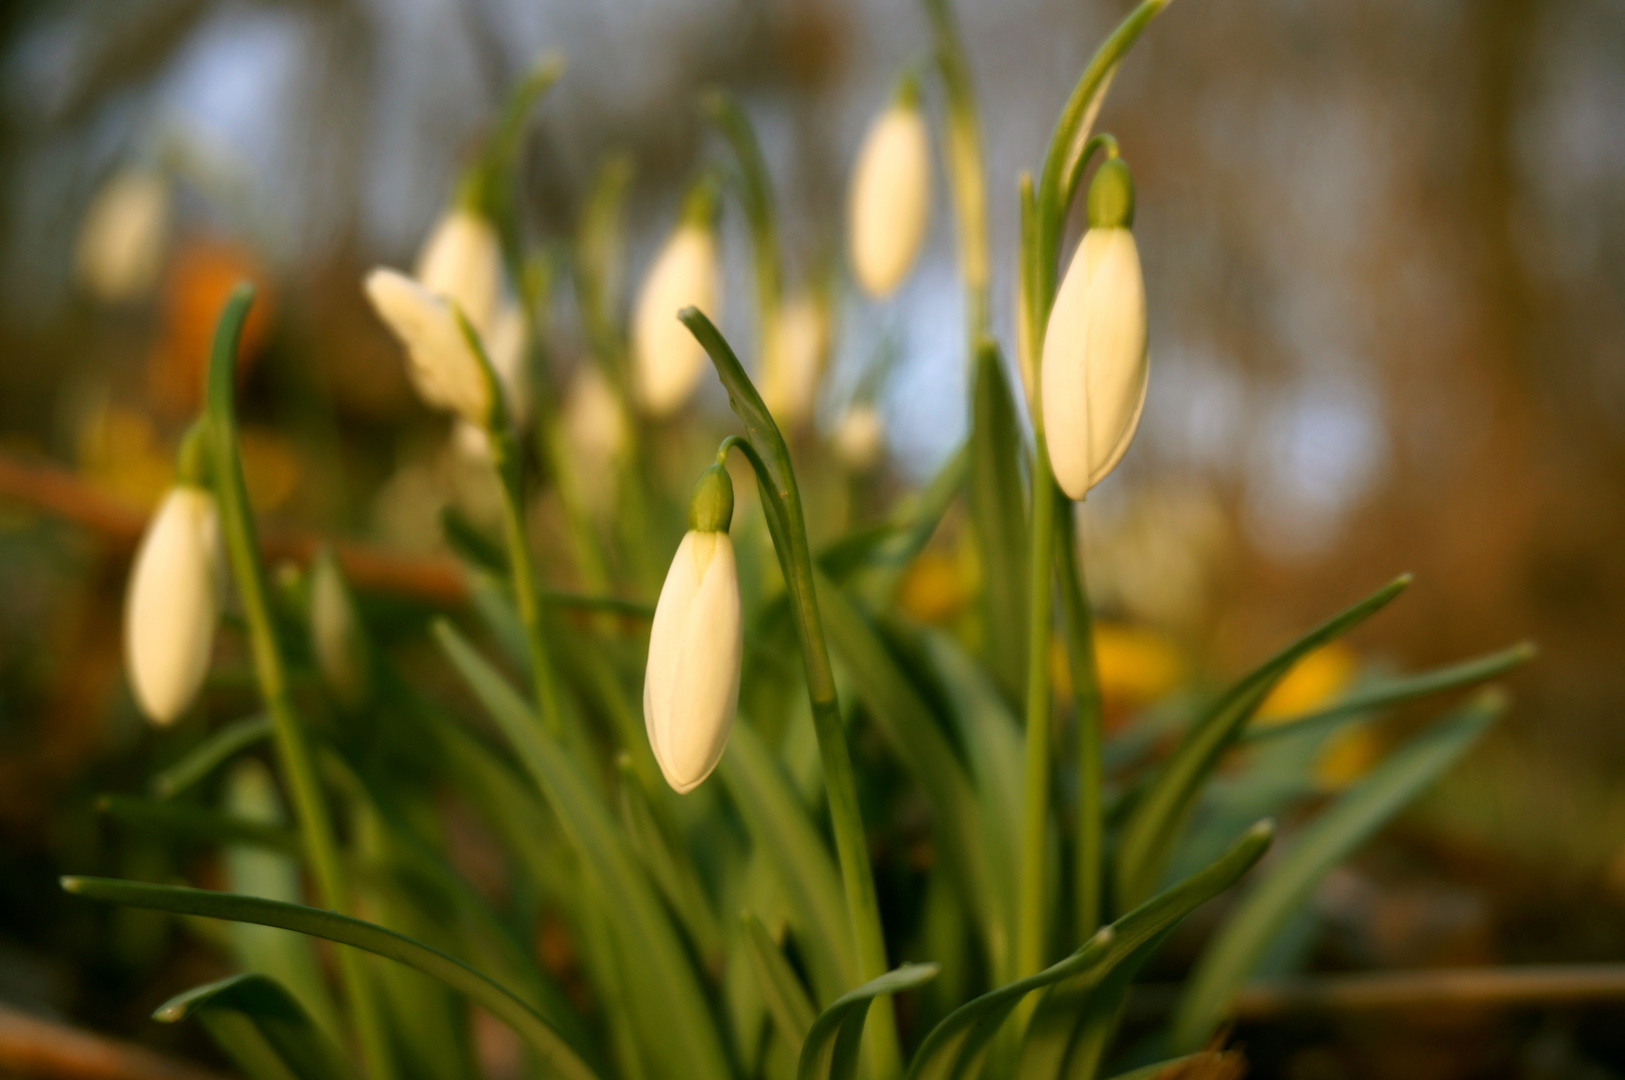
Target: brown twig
{"type": "Point", "coordinates": [1522, 985]}
{"type": "Point", "coordinates": [34, 1046]}
{"type": "Point", "coordinates": [61, 494]}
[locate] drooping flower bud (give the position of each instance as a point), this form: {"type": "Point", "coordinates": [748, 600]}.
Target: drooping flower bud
{"type": "Point", "coordinates": [338, 638]}
{"type": "Point", "coordinates": [1095, 367]}
{"type": "Point", "coordinates": [860, 438]}
{"type": "Point", "coordinates": [666, 359]}
{"type": "Point", "coordinates": [462, 262]}
{"type": "Point", "coordinates": [890, 200]}
{"type": "Point", "coordinates": [595, 427]}
{"type": "Point", "coordinates": [444, 368]}
{"type": "Point", "coordinates": [691, 686]}
{"type": "Point", "coordinates": [790, 386]}
{"type": "Point", "coordinates": [173, 603]}
{"type": "Point", "coordinates": [121, 241]}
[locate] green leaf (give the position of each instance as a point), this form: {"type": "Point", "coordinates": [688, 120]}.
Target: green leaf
{"type": "Point", "coordinates": [787, 838]}
{"type": "Point", "coordinates": [956, 1043]}
{"type": "Point", "coordinates": [918, 740]}
{"type": "Point", "coordinates": [261, 1027]}
{"type": "Point", "coordinates": [1334, 835]}
{"type": "Point", "coordinates": [782, 992]}
{"type": "Point", "coordinates": [1073, 1026]}
{"type": "Point", "coordinates": [1173, 1067]}
{"type": "Point", "coordinates": [999, 516]}
{"type": "Point", "coordinates": [196, 823]}
{"type": "Point", "coordinates": [673, 876]}
{"type": "Point", "coordinates": [871, 560]}
{"type": "Point", "coordinates": [499, 1001]}
{"type": "Point", "coordinates": [830, 1051]}
{"type": "Point", "coordinates": [673, 1017]}
{"type": "Point", "coordinates": [1148, 838]}
{"type": "Point", "coordinates": [209, 754]}
{"type": "Point", "coordinates": [1390, 692]}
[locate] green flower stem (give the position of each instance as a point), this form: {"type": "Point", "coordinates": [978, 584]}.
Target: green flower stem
{"type": "Point", "coordinates": [292, 749]}
{"type": "Point", "coordinates": [765, 449]}
{"type": "Point", "coordinates": [1044, 219]}
{"type": "Point", "coordinates": [964, 142]}
{"type": "Point", "coordinates": [1080, 647]}
{"type": "Point", "coordinates": [756, 193]}
{"type": "Point", "coordinates": [505, 458]}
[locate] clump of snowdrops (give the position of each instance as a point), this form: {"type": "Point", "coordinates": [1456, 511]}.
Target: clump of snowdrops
{"type": "Point", "coordinates": [713, 869]}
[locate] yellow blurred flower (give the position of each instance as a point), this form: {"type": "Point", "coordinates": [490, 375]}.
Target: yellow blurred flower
{"type": "Point", "coordinates": [1137, 665]}
{"type": "Point", "coordinates": [270, 467]}
{"type": "Point", "coordinates": [1316, 680]}
{"type": "Point", "coordinates": [1347, 756]}
{"type": "Point", "coordinates": [119, 451]}
{"type": "Point", "coordinates": [933, 589]}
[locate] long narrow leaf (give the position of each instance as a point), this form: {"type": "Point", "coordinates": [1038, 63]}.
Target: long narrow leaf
{"type": "Point", "coordinates": [315, 922]}
{"type": "Point", "coordinates": [677, 1025]}
{"type": "Point", "coordinates": [1230, 958]}
{"type": "Point", "coordinates": [789, 841]}
{"type": "Point", "coordinates": [672, 875]}
{"type": "Point", "coordinates": [1396, 691]}
{"type": "Point", "coordinates": [782, 992]}
{"type": "Point", "coordinates": [961, 1038]}
{"type": "Point", "coordinates": [999, 515]}
{"type": "Point", "coordinates": [830, 1051]}
{"type": "Point", "coordinates": [209, 754]}
{"type": "Point", "coordinates": [1159, 817]}
{"type": "Point", "coordinates": [261, 1027]}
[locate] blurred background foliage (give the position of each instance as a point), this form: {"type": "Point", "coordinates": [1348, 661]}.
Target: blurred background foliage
{"type": "Point", "coordinates": [1385, 259]}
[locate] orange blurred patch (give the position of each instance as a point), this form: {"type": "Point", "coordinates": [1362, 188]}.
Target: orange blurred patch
{"type": "Point", "coordinates": [1315, 680]}
{"type": "Point", "coordinates": [271, 468]}
{"type": "Point", "coordinates": [200, 278]}
{"type": "Point", "coordinates": [1347, 756]}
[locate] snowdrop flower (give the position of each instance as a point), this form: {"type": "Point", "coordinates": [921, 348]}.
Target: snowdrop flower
{"type": "Point", "coordinates": [121, 241]}
{"type": "Point", "coordinates": [666, 359]}
{"type": "Point", "coordinates": [443, 364]}
{"type": "Point", "coordinates": [691, 687]}
{"type": "Point", "coordinates": [343, 654]}
{"type": "Point", "coordinates": [462, 262]}
{"type": "Point", "coordinates": [790, 385]}
{"type": "Point", "coordinates": [890, 200]}
{"type": "Point", "coordinates": [1095, 367]}
{"type": "Point", "coordinates": [173, 603]}
{"type": "Point", "coordinates": [859, 438]}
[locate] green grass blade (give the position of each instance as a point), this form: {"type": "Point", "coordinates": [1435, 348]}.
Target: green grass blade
{"type": "Point", "coordinates": [998, 514]}
{"type": "Point", "coordinates": [793, 1014]}
{"type": "Point", "coordinates": [261, 1027]}
{"type": "Point", "coordinates": [500, 1002]}
{"type": "Point", "coordinates": [209, 755]}
{"type": "Point", "coordinates": [957, 1042]}
{"type": "Point", "coordinates": [674, 1020]}
{"type": "Point", "coordinates": [1076, 1020]}
{"type": "Point", "coordinates": [672, 875]}
{"type": "Point", "coordinates": [830, 1051]}
{"type": "Point", "coordinates": [196, 823]}
{"type": "Point", "coordinates": [1396, 691]}
{"type": "Point", "coordinates": [1356, 815]}
{"type": "Point", "coordinates": [1148, 837]}
{"type": "Point", "coordinates": [788, 839]}
{"type": "Point", "coordinates": [917, 739]}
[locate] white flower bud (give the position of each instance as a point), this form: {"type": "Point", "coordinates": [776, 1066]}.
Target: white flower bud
{"type": "Point", "coordinates": [860, 438]}
{"type": "Point", "coordinates": [505, 345]}
{"type": "Point", "coordinates": [790, 385]}
{"type": "Point", "coordinates": [173, 603]}
{"type": "Point", "coordinates": [891, 198]}
{"type": "Point", "coordinates": [666, 359]}
{"type": "Point", "coordinates": [595, 426]}
{"type": "Point", "coordinates": [444, 369]}
{"type": "Point", "coordinates": [121, 240]}
{"type": "Point", "coordinates": [462, 261]}
{"type": "Point", "coordinates": [1095, 368]}
{"type": "Point", "coordinates": [691, 687]}
{"type": "Point", "coordinates": [343, 653]}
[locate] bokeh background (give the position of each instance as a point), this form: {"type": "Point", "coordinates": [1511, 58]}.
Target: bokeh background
{"type": "Point", "coordinates": [1385, 256]}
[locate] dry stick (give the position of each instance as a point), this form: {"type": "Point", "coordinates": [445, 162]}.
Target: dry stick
{"type": "Point", "coordinates": [60, 493]}
{"type": "Point", "coordinates": [35, 1046]}
{"type": "Point", "coordinates": [1543, 984]}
